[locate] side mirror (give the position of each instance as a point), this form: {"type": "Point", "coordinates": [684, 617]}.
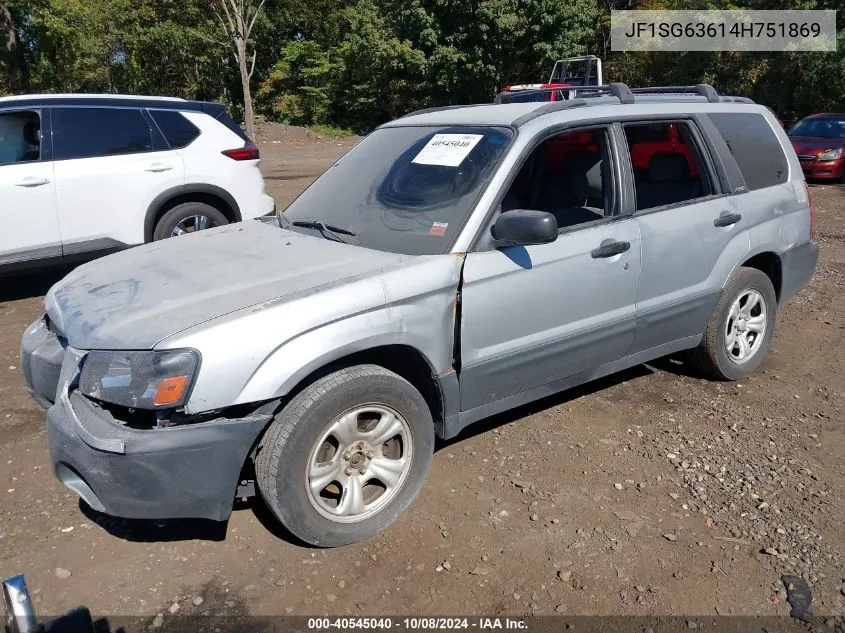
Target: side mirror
{"type": "Point", "coordinates": [524, 227]}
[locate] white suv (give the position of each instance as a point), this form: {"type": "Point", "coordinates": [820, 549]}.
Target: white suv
{"type": "Point", "coordinates": [81, 175]}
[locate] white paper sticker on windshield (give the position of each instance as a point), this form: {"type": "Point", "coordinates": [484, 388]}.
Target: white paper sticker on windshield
{"type": "Point", "coordinates": [447, 150]}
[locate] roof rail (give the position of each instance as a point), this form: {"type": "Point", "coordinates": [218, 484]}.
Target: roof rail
{"type": "Point", "coordinates": [501, 97]}
{"type": "Point", "coordinates": [729, 99]}
{"type": "Point", "coordinates": [626, 95]}
{"type": "Point", "coordinates": [705, 90]}
{"type": "Point", "coordinates": [554, 106]}
{"type": "Point", "coordinates": [620, 91]}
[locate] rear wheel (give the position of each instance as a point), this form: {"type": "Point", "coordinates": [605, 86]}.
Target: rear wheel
{"type": "Point", "coordinates": [346, 456]}
{"type": "Point", "coordinates": [188, 217]}
{"type": "Point", "coordinates": [737, 337]}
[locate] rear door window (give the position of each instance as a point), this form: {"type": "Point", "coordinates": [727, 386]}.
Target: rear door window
{"type": "Point", "coordinates": [755, 148]}
{"type": "Point", "coordinates": [666, 173]}
{"type": "Point", "coordinates": [90, 132]}
{"type": "Point", "coordinates": [648, 133]}
{"type": "Point", "coordinates": [177, 130]}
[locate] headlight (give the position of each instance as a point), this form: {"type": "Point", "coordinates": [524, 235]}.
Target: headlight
{"type": "Point", "coordinates": [139, 380]}
{"type": "Point", "coordinates": [831, 154]}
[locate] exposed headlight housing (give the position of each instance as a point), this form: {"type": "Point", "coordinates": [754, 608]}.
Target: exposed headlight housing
{"type": "Point", "coordinates": [831, 154]}
{"type": "Point", "coordinates": [140, 380]}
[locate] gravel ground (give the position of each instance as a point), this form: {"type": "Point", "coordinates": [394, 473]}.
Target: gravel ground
{"type": "Point", "coordinates": [653, 492]}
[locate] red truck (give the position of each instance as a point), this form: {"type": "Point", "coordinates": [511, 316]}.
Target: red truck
{"type": "Point", "coordinates": [567, 75]}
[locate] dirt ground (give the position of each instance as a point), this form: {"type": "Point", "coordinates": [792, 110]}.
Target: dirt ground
{"type": "Point", "coordinates": [651, 492]}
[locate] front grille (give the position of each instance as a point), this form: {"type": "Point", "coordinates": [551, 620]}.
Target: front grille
{"type": "Point", "coordinates": [806, 157]}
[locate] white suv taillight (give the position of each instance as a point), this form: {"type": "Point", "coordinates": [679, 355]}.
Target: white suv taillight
{"type": "Point", "coordinates": [247, 152]}
{"type": "Point", "coordinates": [811, 204]}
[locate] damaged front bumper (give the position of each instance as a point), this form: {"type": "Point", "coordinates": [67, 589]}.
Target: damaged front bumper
{"type": "Point", "coordinates": [42, 355]}
{"type": "Point", "coordinates": [187, 471]}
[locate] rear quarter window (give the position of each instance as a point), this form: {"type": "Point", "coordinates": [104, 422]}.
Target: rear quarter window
{"type": "Point", "coordinates": [177, 130]}
{"type": "Point", "coordinates": [755, 148]}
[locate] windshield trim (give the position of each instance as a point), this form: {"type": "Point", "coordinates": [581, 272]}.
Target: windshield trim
{"type": "Point", "coordinates": [473, 207]}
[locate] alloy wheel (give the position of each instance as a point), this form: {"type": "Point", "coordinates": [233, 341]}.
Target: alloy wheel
{"type": "Point", "coordinates": [359, 463]}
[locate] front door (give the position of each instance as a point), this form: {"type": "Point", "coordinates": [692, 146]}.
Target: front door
{"type": "Point", "coordinates": [537, 314]}
{"type": "Point", "coordinates": [29, 225]}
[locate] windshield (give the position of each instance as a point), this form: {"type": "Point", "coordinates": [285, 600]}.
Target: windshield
{"type": "Point", "coordinates": [820, 128]}
{"type": "Point", "coordinates": [404, 190]}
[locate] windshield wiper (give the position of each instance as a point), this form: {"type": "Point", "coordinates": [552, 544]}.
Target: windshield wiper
{"type": "Point", "coordinates": [325, 229]}
{"type": "Point", "coordinates": [313, 224]}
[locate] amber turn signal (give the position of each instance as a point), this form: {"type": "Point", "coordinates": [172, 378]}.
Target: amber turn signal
{"type": "Point", "coordinates": [170, 390]}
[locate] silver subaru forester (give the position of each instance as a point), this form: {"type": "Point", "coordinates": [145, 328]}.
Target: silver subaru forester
{"type": "Point", "coordinates": [455, 263]}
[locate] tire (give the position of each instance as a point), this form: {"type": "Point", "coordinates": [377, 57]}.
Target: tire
{"type": "Point", "coordinates": [311, 430]}
{"type": "Point", "coordinates": [182, 213]}
{"type": "Point", "coordinates": [712, 355]}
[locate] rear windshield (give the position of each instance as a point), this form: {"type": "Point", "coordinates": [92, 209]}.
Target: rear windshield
{"type": "Point", "coordinates": [405, 189]}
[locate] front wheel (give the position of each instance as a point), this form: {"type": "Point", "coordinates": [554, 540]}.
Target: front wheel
{"type": "Point", "coordinates": [346, 456]}
{"type": "Point", "coordinates": [737, 337]}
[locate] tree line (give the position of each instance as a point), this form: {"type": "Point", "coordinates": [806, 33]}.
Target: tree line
{"type": "Point", "coordinates": [357, 63]}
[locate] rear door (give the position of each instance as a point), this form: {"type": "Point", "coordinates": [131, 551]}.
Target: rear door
{"type": "Point", "coordinates": [693, 234]}
{"type": "Point", "coordinates": [772, 203]}
{"type": "Point", "coordinates": [29, 224]}
{"type": "Point", "coordinates": [111, 163]}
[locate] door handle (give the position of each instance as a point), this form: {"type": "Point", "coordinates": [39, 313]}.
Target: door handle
{"type": "Point", "coordinates": [32, 181]}
{"type": "Point", "coordinates": [610, 249]}
{"type": "Point", "coordinates": [158, 167]}
{"type": "Point", "coordinates": [727, 219]}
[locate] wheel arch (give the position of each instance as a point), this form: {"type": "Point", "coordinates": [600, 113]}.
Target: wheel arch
{"type": "Point", "coordinates": [402, 359]}
{"type": "Point", "coordinates": [769, 263]}
{"type": "Point", "coordinates": [211, 195]}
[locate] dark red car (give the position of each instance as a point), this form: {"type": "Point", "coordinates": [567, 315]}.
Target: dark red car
{"type": "Point", "coordinates": [819, 141]}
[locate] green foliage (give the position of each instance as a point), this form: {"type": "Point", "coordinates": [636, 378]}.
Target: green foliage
{"type": "Point", "coordinates": [376, 73]}
{"type": "Point", "coordinates": [142, 46]}
{"type": "Point", "coordinates": [330, 131]}
{"type": "Point", "coordinates": [296, 88]}
{"type": "Point", "coordinates": [356, 64]}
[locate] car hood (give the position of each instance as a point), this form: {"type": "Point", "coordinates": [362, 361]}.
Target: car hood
{"type": "Point", "coordinates": [814, 145]}
{"type": "Point", "coordinates": [135, 298]}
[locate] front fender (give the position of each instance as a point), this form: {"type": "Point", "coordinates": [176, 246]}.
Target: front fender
{"type": "Point", "coordinates": [262, 352]}
{"type": "Point", "coordinates": [428, 329]}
